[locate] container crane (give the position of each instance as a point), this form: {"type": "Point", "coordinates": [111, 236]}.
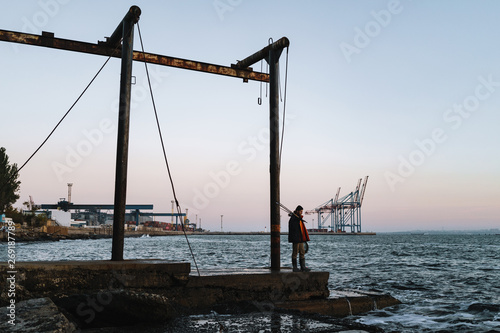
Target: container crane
{"type": "Point", "coordinates": [343, 212]}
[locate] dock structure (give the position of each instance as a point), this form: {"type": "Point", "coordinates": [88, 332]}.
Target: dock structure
{"type": "Point", "coordinates": [120, 45]}
{"type": "Point", "coordinates": [343, 213]}
{"type": "Point", "coordinates": [93, 294]}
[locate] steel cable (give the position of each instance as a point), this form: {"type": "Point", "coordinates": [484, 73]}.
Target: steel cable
{"type": "Point", "coordinates": [57, 125]}
{"type": "Point", "coordinates": [284, 110]}
{"type": "Point", "coordinates": [179, 211]}
{"type": "Point", "coordinates": [221, 326]}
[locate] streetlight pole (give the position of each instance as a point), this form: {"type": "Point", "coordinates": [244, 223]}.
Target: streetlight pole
{"type": "Point", "coordinates": [172, 220]}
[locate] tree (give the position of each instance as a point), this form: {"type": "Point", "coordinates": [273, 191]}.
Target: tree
{"type": "Point", "coordinates": [9, 185]}
{"type": "Point", "coordinates": [15, 214]}
{"type": "Point", "coordinates": [32, 218]}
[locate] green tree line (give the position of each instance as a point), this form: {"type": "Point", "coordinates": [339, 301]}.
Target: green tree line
{"type": "Point", "coordinates": [9, 187]}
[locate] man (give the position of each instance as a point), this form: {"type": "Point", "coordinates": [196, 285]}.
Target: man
{"type": "Point", "coordinates": [297, 235]}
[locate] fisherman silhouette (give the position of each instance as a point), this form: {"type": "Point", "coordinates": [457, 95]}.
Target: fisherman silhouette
{"type": "Point", "coordinates": [298, 235]}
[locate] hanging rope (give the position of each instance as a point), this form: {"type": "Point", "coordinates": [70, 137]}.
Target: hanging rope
{"type": "Point", "coordinates": [283, 99]}
{"type": "Point", "coordinates": [284, 109]}
{"type": "Point", "coordinates": [179, 211]}
{"type": "Point", "coordinates": [259, 100]}
{"type": "Point", "coordinates": [269, 42]}
{"type": "Point", "coordinates": [221, 327]}
{"type": "Point", "coordinates": [57, 125]}
{"type": "Point", "coordinates": [67, 112]}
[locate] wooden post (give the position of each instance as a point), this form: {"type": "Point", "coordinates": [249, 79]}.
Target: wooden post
{"type": "Point", "coordinates": [127, 33]}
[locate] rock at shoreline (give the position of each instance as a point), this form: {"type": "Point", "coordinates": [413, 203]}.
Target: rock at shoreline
{"type": "Point", "coordinates": [116, 308]}
{"type": "Point", "coordinates": [37, 315]}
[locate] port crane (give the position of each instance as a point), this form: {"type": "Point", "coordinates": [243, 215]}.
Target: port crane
{"type": "Point", "coordinates": [344, 212]}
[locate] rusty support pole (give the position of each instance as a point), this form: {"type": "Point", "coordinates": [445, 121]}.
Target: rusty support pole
{"type": "Point", "coordinates": [274, 167]}
{"type": "Point", "coordinates": [272, 55]}
{"type": "Point", "coordinates": [125, 31]}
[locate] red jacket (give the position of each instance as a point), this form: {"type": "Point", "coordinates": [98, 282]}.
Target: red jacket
{"type": "Point", "coordinates": [297, 232]}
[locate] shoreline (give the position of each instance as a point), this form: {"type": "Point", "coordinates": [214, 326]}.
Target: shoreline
{"type": "Point", "coordinates": [70, 233]}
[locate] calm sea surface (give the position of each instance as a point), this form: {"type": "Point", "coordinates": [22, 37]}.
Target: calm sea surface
{"type": "Point", "coordinates": [448, 283]}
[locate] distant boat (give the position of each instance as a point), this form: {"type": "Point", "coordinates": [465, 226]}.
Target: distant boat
{"type": "Point", "coordinates": [145, 236]}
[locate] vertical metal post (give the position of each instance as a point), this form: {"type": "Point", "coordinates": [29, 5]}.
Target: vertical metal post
{"type": "Point", "coordinates": [274, 167]}
{"type": "Point", "coordinates": [272, 54]}
{"type": "Point", "coordinates": [126, 31]}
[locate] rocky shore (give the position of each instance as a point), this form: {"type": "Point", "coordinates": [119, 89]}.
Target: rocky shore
{"type": "Point", "coordinates": [146, 313]}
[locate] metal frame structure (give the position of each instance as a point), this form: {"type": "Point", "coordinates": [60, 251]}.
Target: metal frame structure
{"type": "Point", "coordinates": [96, 208]}
{"type": "Point", "coordinates": [120, 45]}
{"type": "Point", "coordinates": [342, 212]}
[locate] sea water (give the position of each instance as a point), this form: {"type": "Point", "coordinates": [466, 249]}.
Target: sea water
{"type": "Point", "coordinates": [446, 282]}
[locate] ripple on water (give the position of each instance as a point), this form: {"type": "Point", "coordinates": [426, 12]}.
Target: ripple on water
{"type": "Point", "coordinates": [446, 282]}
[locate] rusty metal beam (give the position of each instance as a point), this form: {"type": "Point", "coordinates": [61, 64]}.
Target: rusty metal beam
{"type": "Point", "coordinates": [280, 44]}
{"type": "Point", "coordinates": [47, 39]}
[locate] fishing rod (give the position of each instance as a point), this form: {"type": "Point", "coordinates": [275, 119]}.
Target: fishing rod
{"type": "Point", "coordinates": [306, 246]}
{"type": "Point", "coordinates": [289, 211]}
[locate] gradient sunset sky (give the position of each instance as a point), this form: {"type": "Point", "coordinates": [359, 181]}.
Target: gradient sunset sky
{"type": "Point", "coordinates": [406, 92]}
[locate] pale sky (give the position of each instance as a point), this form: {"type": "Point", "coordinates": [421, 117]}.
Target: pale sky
{"type": "Point", "coordinates": [406, 92]}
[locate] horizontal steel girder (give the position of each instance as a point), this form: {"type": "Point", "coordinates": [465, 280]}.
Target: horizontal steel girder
{"type": "Point", "coordinates": [102, 48]}
{"type": "Point", "coordinates": [162, 214]}
{"type": "Point", "coordinates": [92, 206]}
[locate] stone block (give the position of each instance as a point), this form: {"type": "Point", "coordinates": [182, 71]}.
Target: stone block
{"type": "Point", "coordinates": [38, 315]}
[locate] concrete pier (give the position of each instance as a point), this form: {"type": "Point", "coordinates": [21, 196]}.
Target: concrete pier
{"type": "Point", "coordinates": [47, 277]}
{"type": "Point", "coordinates": [114, 293]}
